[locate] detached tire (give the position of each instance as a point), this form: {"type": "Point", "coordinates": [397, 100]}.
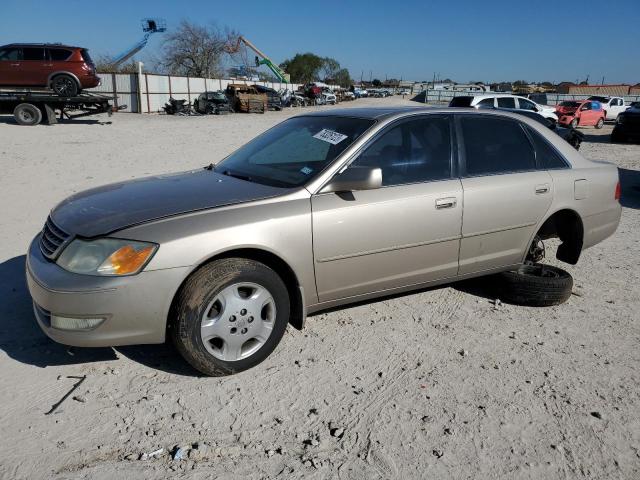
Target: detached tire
{"type": "Point", "coordinates": [229, 316]}
{"type": "Point", "coordinates": [27, 114]}
{"type": "Point", "coordinates": [535, 286]}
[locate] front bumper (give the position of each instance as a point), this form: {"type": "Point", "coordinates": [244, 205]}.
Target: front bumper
{"type": "Point", "coordinates": [135, 307]}
{"type": "Point", "coordinates": [565, 119]}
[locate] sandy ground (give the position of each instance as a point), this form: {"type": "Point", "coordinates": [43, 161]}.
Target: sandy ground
{"type": "Point", "coordinates": [440, 384]}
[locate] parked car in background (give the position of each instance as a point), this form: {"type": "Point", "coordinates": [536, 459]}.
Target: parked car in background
{"type": "Point", "coordinates": [319, 211]}
{"type": "Point", "coordinates": [212, 103]}
{"type": "Point", "coordinates": [503, 101]}
{"type": "Point", "coordinates": [612, 106]}
{"type": "Point", "coordinates": [64, 69]}
{"type": "Point", "coordinates": [360, 93]}
{"type": "Point", "coordinates": [627, 125]}
{"type": "Point", "coordinates": [580, 113]}
{"type": "Point", "coordinates": [246, 98]}
{"type": "Point", "coordinates": [274, 100]}
{"type": "Point", "coordinates": [572, 136]}
{"type": "Point", "coordinates": [329, 97]}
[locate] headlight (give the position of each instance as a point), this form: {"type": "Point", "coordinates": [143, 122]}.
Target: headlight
{"type": "Point", "coordinates": [106, 256]}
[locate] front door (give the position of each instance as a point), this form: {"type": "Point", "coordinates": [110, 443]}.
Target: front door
{"type": "Point", "coordinates": [34, 69]}
{"type": "Point", "coordinates": [505, 195]}
{"type": "Point", "coordinates": [405, 233]}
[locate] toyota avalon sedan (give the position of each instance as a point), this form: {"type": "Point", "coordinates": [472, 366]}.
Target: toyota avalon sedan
{"type": "Point", "coordinates": [322, 210]}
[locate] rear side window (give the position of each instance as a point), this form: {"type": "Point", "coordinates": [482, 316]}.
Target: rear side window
{"type": "Point", "coordinates": [461, 101]}
{"type": "Point", "coordinates": [11, 54]}
{"type": "Point", "coordinates": [546, 156]}
{"type": "Point", "coordinates": [33, 53]}
{"type": "Point", "coordinates": [59, 54]}
{"type": "Point", "coordinates": [506, 102]}
{"type": "Point", "coordinates": [495, 145]}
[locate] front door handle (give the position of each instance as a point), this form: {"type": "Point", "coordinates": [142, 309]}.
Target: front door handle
{"type": "Point", "coordinates": [448, 202]}
{"type": "Point", "coordinates": [542, 189]}
{"type": "Point", "coordinates": [14, 64]}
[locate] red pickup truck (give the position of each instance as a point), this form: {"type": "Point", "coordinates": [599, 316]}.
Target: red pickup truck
{"type": "Point", "coordinates": [580, 113]}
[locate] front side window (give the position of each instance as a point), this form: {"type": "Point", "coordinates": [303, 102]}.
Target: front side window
{"type": "Point", "coordinates": [546, 156]}
{"type": "Point", "coordinates": [414, 151]}
{"type": "Point", "coordinates": [294, 152]}
{"type": "Point", "coordinates": [506, 102]}
{"type": "Point", "coordinates": [495, 145]}
{"type": "Point", "coordinates": [10, 54]}
{"type": "Point", "coordinates": [33, 53]}
{"type": "Point", "coordinates": [587, 106]}
{"type": "Point", "coordinates": [487, 102]}
{"type": "Point", "coordinates": [526, 104]}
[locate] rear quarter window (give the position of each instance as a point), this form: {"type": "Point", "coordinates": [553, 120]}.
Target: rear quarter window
{"type": "Point", "coordinates": [495, 145]}
{"type": "Point", "coordinates": [59, 54]}
{"type": "Point", "coordinates": [547, 157]}
{"type": "Point", "coordinates": [461, 102]}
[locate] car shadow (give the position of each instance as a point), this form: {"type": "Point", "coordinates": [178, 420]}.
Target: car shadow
{"type": "Point", "coordinates": [22, 339]}
{"type": "Point", "coordinates": [591, 138]}
{"type": "Point", "coordinates": [630, 188]}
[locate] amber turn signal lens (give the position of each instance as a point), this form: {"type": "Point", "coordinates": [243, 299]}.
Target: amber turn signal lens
{"type": "Point", "coordinates": [127, 259]}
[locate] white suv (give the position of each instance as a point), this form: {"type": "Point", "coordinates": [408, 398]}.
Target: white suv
{"type": "Point", "coordinates": [497, 100]}
{"type": "Point", "coordinates": [612, 106]}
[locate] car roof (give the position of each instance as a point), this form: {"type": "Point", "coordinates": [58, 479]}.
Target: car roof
{"type": "Point", "coordinates": [54, 45]}
{"type": "Point", "coordinates": [383, 113]}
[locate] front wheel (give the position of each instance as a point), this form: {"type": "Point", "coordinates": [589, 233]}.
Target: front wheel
{"type": "Point", "coordinates": [229, 316]}
{"type": "Point", "coordinates": [65, 86]}
{"type": "Point", "coordinates": [600, 123]}
{"type": "Point", "coordinates": [574, 123]}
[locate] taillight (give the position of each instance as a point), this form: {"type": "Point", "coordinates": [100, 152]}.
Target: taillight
{"type": "Point", "coordinates": [618, 191]}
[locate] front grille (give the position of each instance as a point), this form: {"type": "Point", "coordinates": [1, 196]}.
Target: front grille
{"type": "Point", "coordinates": [52, 239]}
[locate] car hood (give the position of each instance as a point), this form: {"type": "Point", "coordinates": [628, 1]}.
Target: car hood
{"type": "Point", "coordinates": [104, 210]}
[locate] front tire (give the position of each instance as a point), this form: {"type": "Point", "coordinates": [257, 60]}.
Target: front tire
{"type": "Point", "coordinates": [574, 123]}
{"type": "Point", "coordinates": [229, 316]}
{"type": "Point", "coordinates": [65, 86]}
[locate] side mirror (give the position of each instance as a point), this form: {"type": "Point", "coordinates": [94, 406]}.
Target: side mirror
{"type": "Point", "coordinates": [355, 178]}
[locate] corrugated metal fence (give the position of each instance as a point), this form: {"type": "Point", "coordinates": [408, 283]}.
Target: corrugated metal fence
{"type": "Point", "coordinates": [148, 93]}
{"type": "Point", "coordinates": [444, 97]}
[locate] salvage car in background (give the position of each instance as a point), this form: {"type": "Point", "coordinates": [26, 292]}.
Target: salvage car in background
{"type": "Point", "coordinates": [274, 100]}
{"type": "Point", "coordinates": [212, 103]}
{"type": "Point", "coordinates": [580, 113]}
{"type": "Point", "coordinates": [65, 69]}
{"type": "Point", "coordinates": [503, 101]}
{"type": "Point", "coordinates": [612, 106]}
{"type": "Point", "coordinates": [245, 98]}
{"type": "Point", "coordinates": [320, 211]}
{"type": "Point", "coordinates": [627, 125]}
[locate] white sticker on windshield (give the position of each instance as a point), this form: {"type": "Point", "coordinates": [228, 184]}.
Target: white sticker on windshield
{"type": "Point", "coordinates": [330, 136]}
{"type": "Point", "coordinates": [306, 170]}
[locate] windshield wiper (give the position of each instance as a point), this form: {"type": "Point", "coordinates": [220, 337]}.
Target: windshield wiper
{"type": "Point", "coordinates": [229, 173]}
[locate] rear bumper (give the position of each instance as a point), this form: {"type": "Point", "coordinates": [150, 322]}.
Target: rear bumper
{"type": "Point", "coordinates": [135, 308]}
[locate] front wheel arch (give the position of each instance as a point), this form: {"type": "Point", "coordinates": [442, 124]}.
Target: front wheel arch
{"type": "Point", "coordinates": [271, 260]}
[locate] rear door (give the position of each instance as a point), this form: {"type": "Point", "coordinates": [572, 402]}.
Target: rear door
{"type": "Point", "coordinates": [505, 194]}
{"type": "Point", "coordinates": [10, 64]}
{"type": "Point", "coordinates": [405, 233]}
{"type": "Point", "coordinates": [33, 68]}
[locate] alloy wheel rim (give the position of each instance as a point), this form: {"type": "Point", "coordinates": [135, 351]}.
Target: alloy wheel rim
{"type": "Point", "coordinates": [238, 321]}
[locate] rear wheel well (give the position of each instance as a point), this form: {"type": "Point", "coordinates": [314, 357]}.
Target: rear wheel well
{"type": "Point", "coordinates": [278, 265]}
{"type": "Point", "coordinates": [567, 226]}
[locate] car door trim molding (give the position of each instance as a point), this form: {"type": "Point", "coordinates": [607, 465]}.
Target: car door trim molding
{"type": "Point", "coordinates": [496, 230]}
{"type": "Point", "coordinates": [387, 249]}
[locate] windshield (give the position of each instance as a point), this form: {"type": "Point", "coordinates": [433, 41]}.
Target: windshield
{"type": "Point", "coordinates": [570, 104]}
{"type": "Point", "coordinates": [295, 151]}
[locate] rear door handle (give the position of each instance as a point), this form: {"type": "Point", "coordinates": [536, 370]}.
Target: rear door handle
{"type": "Point", "coordinates": [542, 189]}
{"type": "Point", "coordinates": [448, 202]}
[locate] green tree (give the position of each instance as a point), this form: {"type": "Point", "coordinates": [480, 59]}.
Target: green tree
{"type": "Point", "coordinates": [303, 67]}
{"type": "Point", "coordinates": [343, 78]}
{"type": "Point", "coordinates": [376, 82]}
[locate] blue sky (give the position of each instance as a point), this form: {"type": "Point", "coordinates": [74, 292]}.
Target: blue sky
{"type": "Point", "coordinates": [463, 40]}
